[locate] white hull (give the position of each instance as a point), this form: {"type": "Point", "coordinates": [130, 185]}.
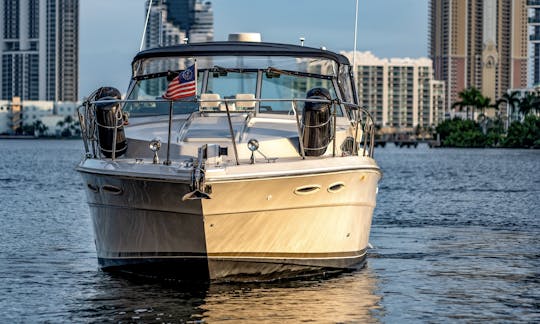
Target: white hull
{"type": "Point", "coordinates": [249, 227]}
{"type": "Point", "coordinates": [231, 160]}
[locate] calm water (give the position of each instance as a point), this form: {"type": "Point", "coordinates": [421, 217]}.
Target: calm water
{"type": "Point", "coordinates": [455, 236]}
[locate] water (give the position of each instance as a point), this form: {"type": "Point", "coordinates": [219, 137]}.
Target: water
{"type": "Point", "coordinates": [455, 236]}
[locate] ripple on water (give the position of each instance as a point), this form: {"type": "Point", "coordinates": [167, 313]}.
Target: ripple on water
{"type": "Point", "coordinates": [455, 236]}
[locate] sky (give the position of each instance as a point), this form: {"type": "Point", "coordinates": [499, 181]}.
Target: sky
{"type": "Point", "coordinates": [111, 30]}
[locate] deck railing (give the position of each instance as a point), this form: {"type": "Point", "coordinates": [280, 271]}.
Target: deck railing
{"type": "Point", "coordinates": [362, 143]}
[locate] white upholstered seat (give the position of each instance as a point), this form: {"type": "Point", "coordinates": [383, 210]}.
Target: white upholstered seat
{"type": "Point", "coordinates": [210, 101]}
{"type": "Point", "coordinates": [246, 101]}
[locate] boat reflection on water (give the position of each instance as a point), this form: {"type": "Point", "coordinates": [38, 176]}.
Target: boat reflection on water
{"type": "Point", "coordinates": [348, 297]}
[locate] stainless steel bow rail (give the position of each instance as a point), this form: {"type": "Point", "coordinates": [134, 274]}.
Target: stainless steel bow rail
{"type": "Point", "coordinates": [361, 121]}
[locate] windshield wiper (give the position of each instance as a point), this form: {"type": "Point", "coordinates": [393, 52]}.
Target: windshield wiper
{"type": "Point", "coordinates": [157, 75]}
{"type": "Point", "coordinates": [272, 72]}
{"type": "Point", "coordinates": [223, 70]}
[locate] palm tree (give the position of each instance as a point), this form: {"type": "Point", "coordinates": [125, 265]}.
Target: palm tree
{"type": "Point", "coordinates": [469, 99]}
{"type": "Point", "coordinates": [512, 101]}
{"type": "Point", "coordinates": [69, 126]}
{"type": "Point", "coordinates": [39, 127]}
{"type": "Point", "coordinates": [528, 104]}
{"type": "Point", "coordinates": [68, 119]}
{"type": "Point", "coordinates": [482, 104]}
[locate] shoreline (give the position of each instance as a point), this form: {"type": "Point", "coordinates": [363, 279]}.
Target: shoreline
{"type": "Point", "coordinates": [31, 137]}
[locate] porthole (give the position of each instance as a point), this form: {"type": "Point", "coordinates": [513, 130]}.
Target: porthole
{"type": "Point", "coordinates": [92, 187]}
{"type": "Point", "coordinates": [307, 190]}
{"type": "Point", "coordinates": [336, 187]}
{"type": "Point", "coordinates": [113, 190]}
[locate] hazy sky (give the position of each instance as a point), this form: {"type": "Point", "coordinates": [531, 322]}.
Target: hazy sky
{"type": "Point", "coordinates": [110, 30]}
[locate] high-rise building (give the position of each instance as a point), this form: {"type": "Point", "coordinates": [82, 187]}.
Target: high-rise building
{"type": "Point", "coordinates": [39, 49]}
{"type": "Point", "coordinates": [534, 38]}
{"type": "Point", "coordinates": [399, 93]}
{"type": "Point", "coordinates": [171, 21]}
{"type": "Point", "coordinates": [480, 43]}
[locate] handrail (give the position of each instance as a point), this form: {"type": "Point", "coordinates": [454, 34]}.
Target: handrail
{"type": "Point", "coordinates": [300, 130]}
{"type": "Point", "coordinates": [362, 123]}
{"type": "Point", "coordinates": [334, 117]}
{"type": "Point", "coordinates": [233, 139]}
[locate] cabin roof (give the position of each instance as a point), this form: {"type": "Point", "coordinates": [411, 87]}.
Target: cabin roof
{"type": "Point", "coordinates": [229, 48]}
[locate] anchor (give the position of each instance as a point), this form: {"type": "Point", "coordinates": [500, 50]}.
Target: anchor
{"type": "Point", "coordinates": [198, 187]}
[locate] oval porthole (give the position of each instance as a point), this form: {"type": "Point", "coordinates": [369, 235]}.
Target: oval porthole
{"type": "Point", "coordinates": [92, 188]}
{"type": "Point", "coordinates": [113, 190]}
{"type": "Point", "coordinates": [336, 187]}
{"type": "Point", "coordinates": [307, 190]}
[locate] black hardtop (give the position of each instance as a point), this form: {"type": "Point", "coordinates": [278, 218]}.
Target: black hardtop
{"type": "Point", "coordinates": [229, 48]}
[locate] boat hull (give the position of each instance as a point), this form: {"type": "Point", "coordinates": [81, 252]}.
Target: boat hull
{"type": "Point", "coordinates": [250, 229]}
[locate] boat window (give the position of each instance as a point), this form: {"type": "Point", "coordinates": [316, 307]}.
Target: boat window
{"type": "Point", "coordinates": [150, 89]}
{"type": "Point", "coordinates": [285, 86]}
{"type": "Point", "coordinates": [161, 64]}
{"type": "Point", "coordinates": [230, 77]}
{"type": "Point", "coordinates": [308, 65]}
{"type": "Point", "coordinates": [346, 86]}
{"type": "Point", "coordinates": [280, 87]}
{"type": "Point", "coordinates": [228, 84]}
{"type": "Point", "coordinates": [345, 83]}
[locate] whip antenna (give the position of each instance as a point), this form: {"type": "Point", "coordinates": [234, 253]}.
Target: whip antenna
{"type": "Point", "coordinates": [146, 24]}
{"type": "Point", "coordinates": [354, 48]}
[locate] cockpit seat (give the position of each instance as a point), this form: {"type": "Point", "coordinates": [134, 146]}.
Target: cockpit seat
{"type": "Point", "coordinates": [245, 101]}
{"type": "Point", "coordinates": [210, 102]}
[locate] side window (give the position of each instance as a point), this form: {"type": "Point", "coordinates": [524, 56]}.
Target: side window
{"type": "Point", "coordinates": [278, 86]}
{"type": "Point", "coordinates": [283, 86]}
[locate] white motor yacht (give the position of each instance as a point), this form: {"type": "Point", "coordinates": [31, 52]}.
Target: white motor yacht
{"type": "Point", "coordinates": [230, 161]}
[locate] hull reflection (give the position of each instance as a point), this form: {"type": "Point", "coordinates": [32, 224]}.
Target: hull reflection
{"type": "Point", "coordinates": [344, 297]}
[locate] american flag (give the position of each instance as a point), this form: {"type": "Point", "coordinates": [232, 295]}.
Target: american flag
{"type": "Point", "coordinates": [182, 86]}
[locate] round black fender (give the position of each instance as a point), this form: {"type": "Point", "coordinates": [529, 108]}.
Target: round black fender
{"type": "Point", "coordinates": [316, 120]}
{"type": "Point", "coordinates": [108, 117]}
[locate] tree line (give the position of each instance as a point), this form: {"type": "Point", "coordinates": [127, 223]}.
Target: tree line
{"type": "Point", "coordinates": [68, 127]}
{"type": "Point", "coordinates": [521, 128]}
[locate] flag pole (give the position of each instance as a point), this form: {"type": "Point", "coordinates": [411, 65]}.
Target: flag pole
{"type": "Point", "coordinates": [168, 160]}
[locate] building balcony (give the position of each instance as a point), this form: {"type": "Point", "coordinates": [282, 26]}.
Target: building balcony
{"type": "Point", "coordinates": [534, 20]}
{"type": "Point", "coordinates": [532, 3]}
{"type": "Point", "coordinates": [534, 38]}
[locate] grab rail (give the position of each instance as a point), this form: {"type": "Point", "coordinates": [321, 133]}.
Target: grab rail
{"type": "Point", "coordinates": [361, 121]}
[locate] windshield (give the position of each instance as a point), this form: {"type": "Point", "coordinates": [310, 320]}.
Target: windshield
{"type": "Point", "coordinates": [273, 80]}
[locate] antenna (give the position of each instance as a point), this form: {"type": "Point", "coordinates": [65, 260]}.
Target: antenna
{"type": "Point", "coordinates": [145, 24]}
{"type": "Point", "coordinates": [354, 48]}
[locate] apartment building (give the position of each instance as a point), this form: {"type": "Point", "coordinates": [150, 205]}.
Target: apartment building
{"type": "Point", "coordinates": [480, 43]}
{"type": "Point", "coordinates": [39, 56]}
{"type": "Point", "coordinates": [399, 92]}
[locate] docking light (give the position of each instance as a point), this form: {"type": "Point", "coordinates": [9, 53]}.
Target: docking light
{"type": "Point", "coordinates": [155, 145]}
{"type": "Point", "coordinates": [253, 145]}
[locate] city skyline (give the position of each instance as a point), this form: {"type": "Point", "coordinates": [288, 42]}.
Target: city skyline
{"type": "Point", "coordinates": [169, 23]}
{"type": "Point", "coordinates": [39, 49]}
{"type": "Point", "coordinates": [107, 48]}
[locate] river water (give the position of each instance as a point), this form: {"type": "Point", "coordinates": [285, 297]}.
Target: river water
{"type": "Point", "coordinates": [455, 238]}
